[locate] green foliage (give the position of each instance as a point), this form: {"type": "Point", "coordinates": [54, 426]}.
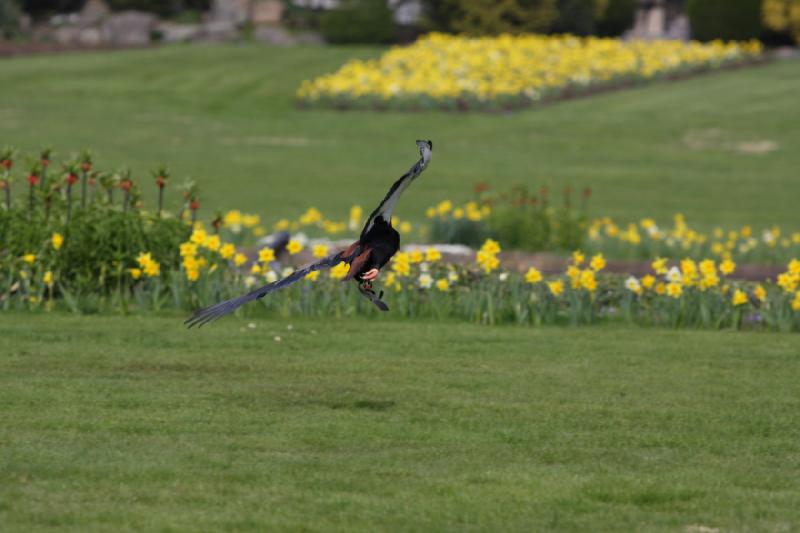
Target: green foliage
{"type": "Point", "coordinates": [617, 17]}
{"type": "Point", "coordinates": [736, 20]}
{"type": "Point", "coordinates": [519, 220]}
{"type": "Point", "coordinates": [166, 8]}
{"type": "Point", "coordinates": [359, 21]}
{"type": "Point", "coordinates": [73, 225]}
{"type": "Point", "coordinates": [490, 17]}
{"type": "Point", "coordinates": [576, 17]}
{"type": "Point", "coordinates": [9, 18]}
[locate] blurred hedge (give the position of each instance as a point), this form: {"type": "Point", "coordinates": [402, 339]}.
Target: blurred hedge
{"type": "Point", "coordinates": [730, 20]}
{"type": "Point", "coordinates": [358, 21]}
{"type": "Point", "coordinates": [9, 18]}
{"type": "Point", "coordinates": [164, 8]}
{"type": "Point", "coordinates": [491, 17]}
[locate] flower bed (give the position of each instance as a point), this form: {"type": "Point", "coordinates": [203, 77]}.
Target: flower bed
{"type": "Point", "coordinates": [456, 72]}
{"type": "Point", "coordinates": [101, 251]}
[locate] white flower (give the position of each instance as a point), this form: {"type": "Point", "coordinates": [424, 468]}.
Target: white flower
{"type": "Point", "coordinates": [503, 276]}
{"type": "Point", "coordinates": [249, 281]}
{"type": "Point", "coordinates": [425, 281]}
{"type": "Point", "coordinates": [424, 267]}
{"type": "Point", "coordinates": [674, 275]}
{"type": "Point", "coordinates": [452, 276]}
{"type": "Point", "coordinates": [633, 285]}
{"type": "Point", "coordinates": [301, 237]}
{"type": "Point", "coordinates": [286, 272]}
{"type": "Point", "coordinates": [271, 276]}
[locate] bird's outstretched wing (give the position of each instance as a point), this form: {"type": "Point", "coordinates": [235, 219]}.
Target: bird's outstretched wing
{"type": "Point", "coordinates": [209, 314]}
{"type": "Point", "coordinates": [386, 207]}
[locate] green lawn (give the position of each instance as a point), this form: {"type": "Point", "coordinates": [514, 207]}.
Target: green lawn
{"type": "Point", "coordinates": [136, 424]}
{"type": "Point", "coordinates": [225, 115]}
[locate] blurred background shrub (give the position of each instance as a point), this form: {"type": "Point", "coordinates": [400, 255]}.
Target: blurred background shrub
{"type": "Point", "coordinates": [9, 18]}
{"type": "Point", "coordinates": [358, 22]}
{"type": "Point", "coordinates": [164, 8]}
{"type": "Point", "coordinates": [738, 20]}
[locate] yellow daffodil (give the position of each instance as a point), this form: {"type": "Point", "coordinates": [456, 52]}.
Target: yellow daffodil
{"type": "Point", "coordinates": [533, 275]}
{"type": "Point", "coordinates": [212, 242]}
{"type": "Point", "coordinates": [739, 297]}
{"type": "Point", "coordinates": [266, 255]}
{"type": "Point", "coordinates": [188, 249]}
{"type": "Point", "coordinates": [57, 240]}
{"type": "Point", "coordinates": [135, 273]}
{"type": "Point", "coordinates": [432, 255]}
{"type": "Point", "coordinates": [597, 263]}
{"type": "Point", "coordinates": [29, 258]}
{"type": "Point", "coordinates": [659, 266]}
{"type": "Point", "coordinates": [674, 290]}
{"type": "Point", "coordinates": [340, 271]}
{"type": "Point", "coordinates": [727, 267]}
{"type": "Point", "coordinates": [320, 250]}
{"type": "Point", "coordinates": [556, 287]}
{"type": "Point", "coordinates": [294, 247]}
{"type": "Point", "coordinates": [48, 278]}
{"type": "Point", "coordinates": [312, 276]}
{"type": "Point", "coordinates": [227, 251]}
{"type": "Point", "coordinates": [442, 284]}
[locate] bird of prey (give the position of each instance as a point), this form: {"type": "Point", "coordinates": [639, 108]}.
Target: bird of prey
{"type": "Point", "coordinates": [378, 242]}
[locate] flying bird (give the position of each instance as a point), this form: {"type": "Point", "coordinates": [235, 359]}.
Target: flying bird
{"type": "Point", "coordinates": [378, 242]}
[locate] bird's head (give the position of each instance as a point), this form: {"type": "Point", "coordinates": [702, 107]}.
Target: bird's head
{"type": "Point", "coordinates": [425, 148]}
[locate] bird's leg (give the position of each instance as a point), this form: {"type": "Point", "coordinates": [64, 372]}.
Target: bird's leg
{"type": "Point", "coordinates": [370, 275]}
{"type": "Point", "coordinates": [365, 288]}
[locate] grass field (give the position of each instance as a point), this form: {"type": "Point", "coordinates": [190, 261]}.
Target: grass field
{"type": "Point", "coordinates": [134, 423]}
{"type": "Point", "coordinates": [225, 116]}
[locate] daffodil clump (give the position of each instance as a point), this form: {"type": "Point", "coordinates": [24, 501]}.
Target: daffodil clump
{"type": "Point", "coordinates": [313, 222]}
{"type": "Point", "coordinates": [648, 239]}
{"type": "Point", "coordinates": [517, 218]}
{"type": "Point", "coordinates": [459, 72]}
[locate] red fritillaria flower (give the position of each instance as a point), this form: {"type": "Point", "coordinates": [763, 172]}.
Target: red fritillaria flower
{"type": "Point", "coordinates": [33, 179]}
{"type": "Point", "coordinates": [195, 205]}
{"type": "Point", "coordinates": [6, 164]}
{"type": "Point", "coordinates": [72, 178]}
{"type": "Point", "coordinates": [86, 166]}
{"type": "Point", "coordinates": [126, 185]}
{"type": "Point", "coordinates": [160, 181]}
{"type": "Point", "coordinates": [45, 163]}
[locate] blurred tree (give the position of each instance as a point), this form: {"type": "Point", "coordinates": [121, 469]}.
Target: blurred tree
{"type": "Point", "coordinates": [9, 18]}
{"type": "Point", "coordinates": [782, 16]}
{"type": "Point", "coordinates": [40, 8]}
{"type": "Point", "coordinates": [358, 21]}
{"type": "Point", "coordinates": [736, 20]}
{"type": "Point", "coordinates": [578, 16]}
{"type": "Point", "coordinates": [616, 17]}
{"type": "Point", "coordinates": [164, 8]}
{"type": "Point", "coordinates": [490, 17]}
